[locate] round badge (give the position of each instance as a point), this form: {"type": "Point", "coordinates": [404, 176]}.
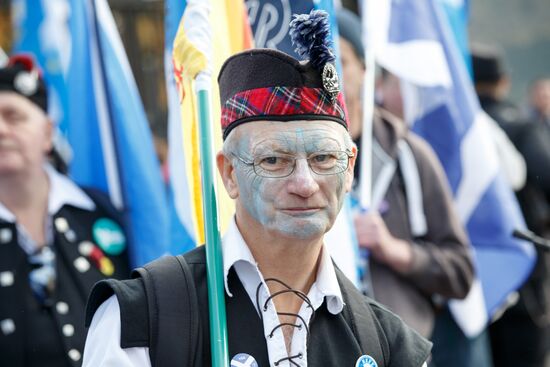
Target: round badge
{"type": "Point", "coordinates": [366, 361]}
{"type": "Point", "coordinates": [109, 236]}
{"type": "Point", "coordinates": [106, 266]}
{"type": "Point", "coordinates": [243, 360]}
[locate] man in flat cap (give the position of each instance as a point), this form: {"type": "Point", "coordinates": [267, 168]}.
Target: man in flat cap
{"type": "Point", "coordinates": [287, 161]}
{"type": "Point", "coordinates": [53, 243]}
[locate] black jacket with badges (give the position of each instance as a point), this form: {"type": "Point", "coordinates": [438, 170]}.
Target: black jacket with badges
{"type": "Point", "coordinates": [165, 308]}
{"type": "Point", "coordinates": [52, 334]}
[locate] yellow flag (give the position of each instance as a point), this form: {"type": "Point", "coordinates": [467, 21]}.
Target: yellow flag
{"type": "Point", "coordinates": [230, 34]}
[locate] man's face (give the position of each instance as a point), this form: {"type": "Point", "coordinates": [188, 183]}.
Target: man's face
{"type": "Point", "coordinates": [353, 71]}
{"type": "Point", "coordinates": [390, 91]}
{"type": "Point", "coordinates": [25, 134]}
{"type": "Point", "coordinates": [540, 96]}
{"type": "Point", "coordinates": [303, 205]}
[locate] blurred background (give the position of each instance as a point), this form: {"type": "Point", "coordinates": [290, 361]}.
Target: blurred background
{"type": "Point", "coordinates": [520, 28]}
{"type": "Point", "coordinates": [97, 79]}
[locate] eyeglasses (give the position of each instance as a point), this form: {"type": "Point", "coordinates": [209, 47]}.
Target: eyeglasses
{"type": "Point", "coordinates": [279, 165]}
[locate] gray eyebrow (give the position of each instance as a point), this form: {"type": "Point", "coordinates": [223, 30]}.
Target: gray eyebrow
{"type": "Point", "coordinates": [288, 142]}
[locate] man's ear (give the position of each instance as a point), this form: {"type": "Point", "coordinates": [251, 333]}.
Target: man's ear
{"type": "Point", "coordinates": [349, 171]}
{"type": "Point", "coordinates": [227, 171]}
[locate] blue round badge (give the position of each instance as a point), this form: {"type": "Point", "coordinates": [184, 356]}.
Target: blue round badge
{"type": "Point", "coordinates": [243, 360]}
{"type": "Point", "coordinates": [366, 361]}
{"type": "Point", "coordinates": [109, 236]}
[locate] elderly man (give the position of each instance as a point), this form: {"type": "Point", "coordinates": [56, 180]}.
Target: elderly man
{"type": "Point", "coordinates": [56, 240]}
{"type": "Point", "coordinates": [287, 161]}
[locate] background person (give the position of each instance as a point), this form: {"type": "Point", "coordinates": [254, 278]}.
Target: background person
{"type": "Point", "coordinates": [521, 335]}
{"type": "Point", "coordinates": [56, 240]}
{"type": "Point", "coordinates": [410, 262]}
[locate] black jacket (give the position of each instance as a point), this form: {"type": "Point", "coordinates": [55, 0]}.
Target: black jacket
{"type": "Point", "coordinates": [52, 334]}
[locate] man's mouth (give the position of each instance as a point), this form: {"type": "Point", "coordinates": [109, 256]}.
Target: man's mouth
{"type": "Point", "coordinates": [301, 210]}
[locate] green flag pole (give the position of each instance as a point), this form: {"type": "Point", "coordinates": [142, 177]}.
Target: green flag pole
{"type": "Point", "coordinates": [192, 49]}
{"type": "Point", "coordinates": [214, 257]}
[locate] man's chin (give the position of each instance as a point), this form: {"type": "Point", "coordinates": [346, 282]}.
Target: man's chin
{"type": "Point", "coordinates": [302, 228]}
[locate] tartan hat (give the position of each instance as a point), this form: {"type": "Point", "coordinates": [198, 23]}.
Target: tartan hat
{"type": "Point", "coordinates": [23, 76]}
{"type": "Point", "coordinates": [266, 84]}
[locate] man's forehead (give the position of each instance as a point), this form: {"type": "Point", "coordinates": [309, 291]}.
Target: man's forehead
{"type": "Point", "coordinates": [12, 99]}
{"type": "Point", "coordinates": [294, 128]}
{"type": "Point", "coordinates": [11, 102]}
{"type": "Point", "coordinates": [293, 134]}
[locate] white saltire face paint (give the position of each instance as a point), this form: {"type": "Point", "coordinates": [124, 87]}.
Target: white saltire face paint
{"type": "Point", "coordinates": [303, 205]}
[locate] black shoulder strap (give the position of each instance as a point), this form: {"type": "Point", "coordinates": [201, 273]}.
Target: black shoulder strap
{"type": "Point", "coordinates": [134, 323]}
{"type": "Point", "coordinates": [360, 318]}
{"type": "Point", "coordinates": [174, 335]}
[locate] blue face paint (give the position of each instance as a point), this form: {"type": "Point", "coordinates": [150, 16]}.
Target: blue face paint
{"type": "Point", "coordinates": [303, 205]}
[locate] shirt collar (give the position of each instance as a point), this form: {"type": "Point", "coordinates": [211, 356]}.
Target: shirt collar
{"type": "Point", "coordinates": [5, 214]}
{"type": "Point", "coordinates": [327, 283]}
{"type": "Point", "coordinates": [63, 191]}
{"type": "Point", "coordinates": [235, 250]}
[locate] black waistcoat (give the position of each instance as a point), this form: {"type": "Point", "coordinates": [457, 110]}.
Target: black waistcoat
{"type": "Point", "coordinates": [331, 341]}
{"type": "Point", "coordinates": [53, 334]}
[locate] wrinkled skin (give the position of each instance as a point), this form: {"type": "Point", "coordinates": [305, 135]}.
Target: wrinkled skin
{"type": "Point", "coordinates": [302, 206]}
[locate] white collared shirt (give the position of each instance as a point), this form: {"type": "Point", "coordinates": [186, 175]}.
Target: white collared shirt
{"type": "Point", "coordinates": [103, 341]}
{"type": "Point", "coordinates": [62, 192]}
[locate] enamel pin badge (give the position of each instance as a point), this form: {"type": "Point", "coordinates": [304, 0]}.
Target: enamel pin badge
{"type": "Point", "coordinates": [243, 360]}
{"type": "Point", "coordinates": [366, 361]}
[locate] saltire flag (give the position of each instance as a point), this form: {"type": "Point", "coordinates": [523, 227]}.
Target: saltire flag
{"type": "Point", "coordinates": [230, 34]}
{"type": "Point", "coordinates": [105, 121]}
{"type": "Point", "coordinates": [270, 20]}
{"type": "Point", "coordinates": [441, 105]}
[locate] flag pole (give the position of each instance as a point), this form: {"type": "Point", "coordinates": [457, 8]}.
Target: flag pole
{"type": "Point", "coordinates": [365, 169]}
{"type": "Point", "coordinates": [192, 52]}
{"type": "Point", "coordinates": [214, 256]}
{"type": "Point", "coordinates": [365, 182]}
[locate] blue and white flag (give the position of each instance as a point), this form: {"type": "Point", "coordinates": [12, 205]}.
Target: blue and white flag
{"type": "Point", "coordinates": [270, 22]}
{"type": "Point", "coordinates": [105, 122]}
{"type": "Point", "coordinates": [44, 31]}
{"type": "Point", "coordinates": [441, 105]}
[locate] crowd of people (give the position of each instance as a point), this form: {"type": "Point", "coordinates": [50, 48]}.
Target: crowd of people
{"type": "Point", "coordinates": [288, 163]}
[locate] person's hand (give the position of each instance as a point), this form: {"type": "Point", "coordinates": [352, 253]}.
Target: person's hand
{"type": "Point", "coordinates": [373, 234]}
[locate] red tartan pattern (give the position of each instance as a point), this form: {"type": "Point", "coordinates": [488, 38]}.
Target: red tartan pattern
{"type": "Point", "coordinates": [282, 101]}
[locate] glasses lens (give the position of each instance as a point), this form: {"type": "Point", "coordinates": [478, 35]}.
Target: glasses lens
{"type": "Point", "coordinates": [329, 163]}
{"type": "Point", "coordinates": [282, 165]}
{"type": "Point", "coordinates": [274, 165]}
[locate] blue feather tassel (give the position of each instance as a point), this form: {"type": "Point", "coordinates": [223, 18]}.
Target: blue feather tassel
{"type": "Point", "coordinates": [310, 34]}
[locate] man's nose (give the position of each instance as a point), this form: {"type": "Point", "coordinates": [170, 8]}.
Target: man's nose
{"type": "Point", "coordinates": [302, 181]}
